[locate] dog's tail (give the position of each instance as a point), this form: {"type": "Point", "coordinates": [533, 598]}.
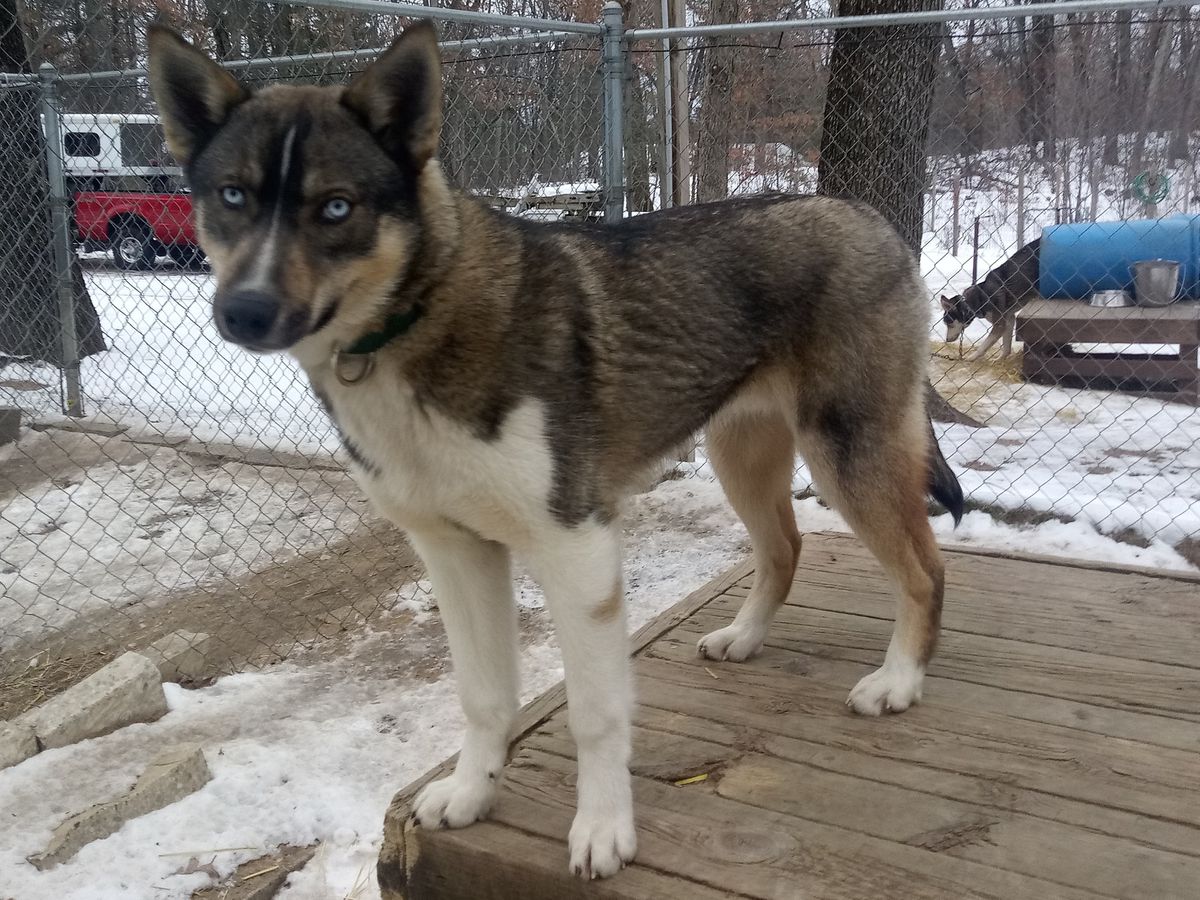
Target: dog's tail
{"type": "Point", "coordinates": [943, 483]}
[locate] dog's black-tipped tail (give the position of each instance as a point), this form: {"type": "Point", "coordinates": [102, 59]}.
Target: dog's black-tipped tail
{"type": "Point", "coordinates": [943, 483]}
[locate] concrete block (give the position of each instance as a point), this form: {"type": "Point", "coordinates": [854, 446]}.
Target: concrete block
{"type": "Point", "coordinates": [170, 777]}
{"type": "Point", "coordinates": [10, 424]}
{"type": "Point", "coordinates": [127, 690]}
{"type": "Point", "coordinates": [181, 656]}
{"type": "Point", "coordinates": [18, 742]}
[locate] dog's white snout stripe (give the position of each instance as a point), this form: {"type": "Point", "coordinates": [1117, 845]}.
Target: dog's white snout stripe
{"type": "Point", "coordinates": [259, 277]}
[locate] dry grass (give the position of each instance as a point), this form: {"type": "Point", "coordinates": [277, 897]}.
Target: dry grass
{"type": "Point", "coordinates": [46, 676]}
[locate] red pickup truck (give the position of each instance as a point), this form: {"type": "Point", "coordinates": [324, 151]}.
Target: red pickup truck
{"type": "Point", "coordinates": [137, 227]}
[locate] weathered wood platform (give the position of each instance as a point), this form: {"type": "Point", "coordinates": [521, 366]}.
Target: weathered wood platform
{"type": "Point", "coordinates": [1056, 754]}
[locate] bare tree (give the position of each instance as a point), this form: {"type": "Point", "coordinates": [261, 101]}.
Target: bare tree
{"type": "Point", "coordinates": [1189, 74]}
{"type": "Point", "coordinates": [1119, 107]}
{"type": "Point", "coordinates": [639, 135]}
{"type": "Point", "coordinates": [1158, 45]}
{"type": "Point", "coordinates": [714, 134]}
{"type": "Point", "coordinates": [1038, 80]}
{"type": "Point", "coordinates": [873, 140]}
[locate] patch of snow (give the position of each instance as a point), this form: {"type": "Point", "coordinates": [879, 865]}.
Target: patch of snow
{"type": "Point", "coordinates": [149, 527]}
{"type": "Point", "coordinates": [308, 752]}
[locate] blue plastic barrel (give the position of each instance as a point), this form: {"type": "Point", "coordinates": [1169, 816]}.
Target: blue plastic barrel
{"type": "Point", "coordinates": [1076, 260]}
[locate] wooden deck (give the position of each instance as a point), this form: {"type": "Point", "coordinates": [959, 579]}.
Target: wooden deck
{"type": "Point", "coordinates": [1056, 754]}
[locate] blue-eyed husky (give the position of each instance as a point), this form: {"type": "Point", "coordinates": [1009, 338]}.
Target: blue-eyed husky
{"type": "Point", "coordinates": [501, 385]}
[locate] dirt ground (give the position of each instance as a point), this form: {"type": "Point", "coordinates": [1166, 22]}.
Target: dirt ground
{"type": "Point", "coordinates": [273, 613]}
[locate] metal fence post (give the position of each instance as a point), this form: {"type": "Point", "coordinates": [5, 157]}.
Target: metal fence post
{"type": "Point", "coordinates": [60, 242]}
{"type": "Point", "coordinates": [614, 114]}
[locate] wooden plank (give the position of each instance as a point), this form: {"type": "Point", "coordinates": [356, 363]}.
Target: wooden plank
{"type": "Point", "coordinates": [841, 542]}
{"type": "Point", "coordinates": [1096, 863]}
{"type": "Point", "coordinates": [991, 791]}
{"type": "Point", "coordinates": [992, 834]}
{"type": "Point", "coordinates": [492, 861]}
{"type": "Point", "coordinates": [1047, 627]}
{"type": "Point", "coordinates": [1096, 366]}
{"type": "Point", "coordinates": [848, 665]}
{"type": "Point", "coordinates": [1128, 616]}
{"type": "Point", "coordinates": [764, 854]}
{"type": "Point", "coordinates": [1096, 587]}
{"type": "Point", "coordinates": [1105, 681]}
{"type": "Point", "coordinates": [1041, 308]}
{"type": "Point", "coordinates": [900, 801]}
{"type": "Point", "coordinates": [1116, 772]}
{"type": "Point", "coordinates": [1067, 322]}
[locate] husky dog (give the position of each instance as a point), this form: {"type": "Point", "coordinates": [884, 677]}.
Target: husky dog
{"type": "Point", "coordinates": [1003, 291]}
{"type": "Point", "coordinates": [500, 385]}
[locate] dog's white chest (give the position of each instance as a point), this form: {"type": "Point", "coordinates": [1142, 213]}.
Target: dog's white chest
{"type": "Point", "coordinates": [415, 463]}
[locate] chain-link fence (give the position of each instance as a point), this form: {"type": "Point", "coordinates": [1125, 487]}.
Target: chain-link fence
{"type": "Point", "coordinates": [195, 487]}
{"type": "Point", "coordinates": [191, 486]}
{"type": "Point", "coordinates": [1055, 154]}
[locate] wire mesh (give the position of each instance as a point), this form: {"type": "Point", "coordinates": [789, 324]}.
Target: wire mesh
{"type": "Point", "coordinates": [203, 491]}
{"type": "Point", "coordinates": [1022, 156]}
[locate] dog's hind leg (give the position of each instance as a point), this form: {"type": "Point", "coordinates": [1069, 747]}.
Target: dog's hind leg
{"type": "Point", "coordinates": [873, 468]}
{"type": "Point", "coordinates": [473, 587]}
{"type": "Point", "coordinates": [754, 456]}
{"type": "Point", "coordinates": [579, 569]}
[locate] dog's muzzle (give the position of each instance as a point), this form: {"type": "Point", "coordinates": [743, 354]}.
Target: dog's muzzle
{"type": "Point", "coordinates": [256, 320]}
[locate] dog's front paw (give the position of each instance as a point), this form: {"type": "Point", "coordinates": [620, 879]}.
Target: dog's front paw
{"type": "Point", "coordinates": [454, 802]}
{"type": "Point", "coordinates": [893, 688]}
{"type": "Point", "coordinates": [735, 643]}
{"type": "Point", "coordinates": [602, 845]}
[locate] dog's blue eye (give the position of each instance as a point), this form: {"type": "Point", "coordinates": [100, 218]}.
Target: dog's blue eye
{"type": "Point", "coordinates": [336, 210]}
{"type": "Point", "coordinates": [234, 197]}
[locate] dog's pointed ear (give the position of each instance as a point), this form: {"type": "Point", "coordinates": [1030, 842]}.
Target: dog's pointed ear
{"type": "Point", "coordinates": [399, 96]}
{"type": "Point", "coordinates": [947, 303]}
{"type": "Point", "coordinates": [194, 95]}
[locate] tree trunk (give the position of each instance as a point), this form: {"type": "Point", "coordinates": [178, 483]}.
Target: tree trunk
{"type": "Point", "coordinates": [1041, 85]}
{"type": "Point", "coordinates": [29, 320]}
{"type": "Point", "coordinates": [873, 138]}
{"type": "Point", "coordinates": [714, 136]}
{"type": "Point", "coordinates": [1158, 43]}
{"type": "Point", "coordinates": [1189, 70]}
{"type": "Point", "coordinates": [638, 134]}
{"type": "Point", "coordinates": [1119, 112]}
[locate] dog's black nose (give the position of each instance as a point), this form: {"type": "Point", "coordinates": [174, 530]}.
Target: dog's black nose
{"type": "Point", "coordinates": [247, 316]}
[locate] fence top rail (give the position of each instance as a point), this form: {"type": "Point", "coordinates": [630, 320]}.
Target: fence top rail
{"type": "Point", "coordinates": [1067, 7]}
{"type": "Point", "coordinates": [412, 10]}
{"type": "Point", "coordinates": [262, 62]}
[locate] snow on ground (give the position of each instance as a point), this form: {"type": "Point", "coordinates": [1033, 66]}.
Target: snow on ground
{"type": "Point", "coordinates": [169, 369]}
{"type": "Point", "coordinates": [311, 751]}
{"type": "Point", "coordinates": [147, 526]}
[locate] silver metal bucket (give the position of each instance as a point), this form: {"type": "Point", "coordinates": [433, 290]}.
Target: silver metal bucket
{"type": "Point", "coordinates": [1155, 282]}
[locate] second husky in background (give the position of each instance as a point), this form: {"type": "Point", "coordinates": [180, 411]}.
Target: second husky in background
{"type": "Point", "coordinates": [1003, 291]}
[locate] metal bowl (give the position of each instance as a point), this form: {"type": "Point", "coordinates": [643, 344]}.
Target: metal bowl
{"type": "Point", "coordinates": [1110, 299]}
